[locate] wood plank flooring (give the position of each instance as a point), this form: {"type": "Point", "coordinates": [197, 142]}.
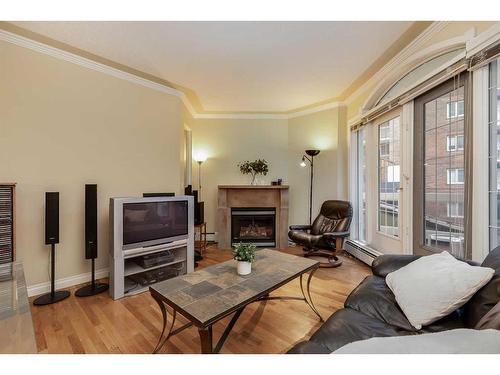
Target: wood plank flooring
{"type": "Point", "coordinates": [98, 324]}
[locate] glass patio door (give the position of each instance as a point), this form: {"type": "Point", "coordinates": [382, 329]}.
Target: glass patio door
{"type": "Point", "coordinates": [440, 170]}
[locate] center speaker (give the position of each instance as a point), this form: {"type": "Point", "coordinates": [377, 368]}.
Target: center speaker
{"type": "Point", "coordinates": [91, 242]}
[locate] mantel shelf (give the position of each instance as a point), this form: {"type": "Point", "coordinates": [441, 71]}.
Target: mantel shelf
{"type": "Point", "coordinates": [253, 186]}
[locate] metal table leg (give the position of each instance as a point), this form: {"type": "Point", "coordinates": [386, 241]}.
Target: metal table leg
{"type": "Point", "coordinates": [164, 313]}
{"type": "Point", "coordinates": [307, 293]}
{"type": "Point", "coordinates": [206, 340]}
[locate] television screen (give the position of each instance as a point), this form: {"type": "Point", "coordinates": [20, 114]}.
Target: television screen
{"type": "Point", "coordinates": [154, 221]}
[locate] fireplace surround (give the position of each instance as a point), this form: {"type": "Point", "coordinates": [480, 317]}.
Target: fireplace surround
{"type": "Point", "coordinates": [245, 214]}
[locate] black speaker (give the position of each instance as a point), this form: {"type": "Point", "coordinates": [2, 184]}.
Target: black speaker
{"type": "Point", "coordinates": [156, 195]}
{"type": "Point", "coordinates": [91, 242]}
{"type": "Point", "coordinates": [90, 221]}
{"type": "Point", "coordinates": [194, 193]}
{"type": "Point", "coordinates": [51, 238]}
{"type": "Point", "coordinates": [199, 213]}
{"type": "Point", "coordinates": [51, 218]}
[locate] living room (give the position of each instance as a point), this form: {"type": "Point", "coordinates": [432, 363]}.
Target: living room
{"type": "Point", "coordinates": [249, 185]}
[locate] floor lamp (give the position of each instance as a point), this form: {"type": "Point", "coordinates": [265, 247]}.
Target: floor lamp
{"type": "Point", "coordinates": [200, 159]}
{"type": "Point", "coordinates": [310, 159]}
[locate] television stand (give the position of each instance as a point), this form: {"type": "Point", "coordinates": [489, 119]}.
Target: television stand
{"type": "Point", "coordinates": [134, 270]}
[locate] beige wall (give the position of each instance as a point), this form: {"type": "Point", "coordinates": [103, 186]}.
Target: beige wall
{"type": "Point", "coordinates": [226, 143]}
{"type": "Point", "coordinates": [282, 144]}
{"type": "Point", "coordinates": [61, 126]}
{"type": "Point", "coordinates": [316, 131]}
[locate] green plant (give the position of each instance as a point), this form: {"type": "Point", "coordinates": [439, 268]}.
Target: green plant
{"type": "Point", "coordinates": [259, 166]}
{"type": "Point", "coordinates": [244, 252]}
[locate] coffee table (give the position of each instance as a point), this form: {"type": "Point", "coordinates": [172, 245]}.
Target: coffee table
{"type": "Point", "coordinates": [206, 296]}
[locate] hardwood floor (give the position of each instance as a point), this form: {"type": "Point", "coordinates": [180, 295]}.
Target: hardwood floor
{"type": "Point", "coordinates": [98, 324]}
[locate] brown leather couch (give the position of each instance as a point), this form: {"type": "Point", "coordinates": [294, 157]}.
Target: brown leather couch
{"type": "Point", "coordinates": [371, 309]}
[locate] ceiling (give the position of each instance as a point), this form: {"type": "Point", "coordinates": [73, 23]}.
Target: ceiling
{"type": "Point", "coordinates": [238, 66]}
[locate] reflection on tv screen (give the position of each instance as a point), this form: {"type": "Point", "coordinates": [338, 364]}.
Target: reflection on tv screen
{"type": "Point", "coordinates": [154, 221]}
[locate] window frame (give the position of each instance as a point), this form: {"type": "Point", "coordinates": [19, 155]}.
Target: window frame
{"type": "Point", "coordinates": [493, 121]}
{"type": "Point", "coordinates": [360, 227]}
{"type": "Point", "coordinates": [418, 195]}
{"type": "Point", "coordinates": [384, 140]}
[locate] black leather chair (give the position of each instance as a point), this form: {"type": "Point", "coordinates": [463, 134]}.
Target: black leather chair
{"type": "Point", "coordinates": [371, 309]}
{"type": "Point", "coordinates": [325, 237]}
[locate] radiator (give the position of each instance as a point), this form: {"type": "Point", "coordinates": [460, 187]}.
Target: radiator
{"type": "Point", "coordinates": [363, 252]}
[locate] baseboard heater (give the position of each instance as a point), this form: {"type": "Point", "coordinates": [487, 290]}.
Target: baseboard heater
{"type": "Point", "coordinates": [363, 252]}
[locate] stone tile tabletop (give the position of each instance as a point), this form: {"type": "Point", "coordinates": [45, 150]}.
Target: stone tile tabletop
{"type": "Point", "coordinates": [212, 291]}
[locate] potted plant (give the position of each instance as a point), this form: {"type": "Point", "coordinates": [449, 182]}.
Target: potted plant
{"type": "Point", "coordinates": [244, 254]}
{"type": "Point", "coordinates": [259, 166]}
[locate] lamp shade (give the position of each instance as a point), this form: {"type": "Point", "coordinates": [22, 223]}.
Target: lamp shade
{"type": "Point", "coordinates": [200, 156]}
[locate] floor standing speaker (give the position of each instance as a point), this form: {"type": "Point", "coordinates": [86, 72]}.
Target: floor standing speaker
{"type": "Point", "coordinates": [91, 242]}
{"type": "Point", "coordinates": [52, 238]}
{"type": "Point", "coordinates": [51, 218]}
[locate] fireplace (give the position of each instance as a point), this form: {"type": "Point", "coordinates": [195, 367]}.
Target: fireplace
{"type": "Point", "coordinates": [238, 198]}
{"type": "Point", "coordinates": [253, 225]}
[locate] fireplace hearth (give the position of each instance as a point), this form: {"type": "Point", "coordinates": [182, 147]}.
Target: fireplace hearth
{"type": "Point", "coordinates": [253, 225]}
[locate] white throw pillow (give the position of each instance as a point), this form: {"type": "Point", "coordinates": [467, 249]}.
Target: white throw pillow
{"type": "Point", "coordinates": [434, 286]}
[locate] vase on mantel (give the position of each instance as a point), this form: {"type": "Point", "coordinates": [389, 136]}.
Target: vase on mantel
{"type": "Point", "coordinates": [254, 179]}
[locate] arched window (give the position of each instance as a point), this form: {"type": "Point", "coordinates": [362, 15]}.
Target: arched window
{"type": "Point", "coordinates": [415, 76]}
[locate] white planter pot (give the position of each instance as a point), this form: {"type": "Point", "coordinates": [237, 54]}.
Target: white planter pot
{"type": "Point", "coordinates": [244, 268]}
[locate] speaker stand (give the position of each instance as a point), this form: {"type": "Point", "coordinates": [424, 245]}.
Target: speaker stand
{"type": "Point", "coordinates": [53, 296]}
{"type": "Point", "coordinates": [92, 289]}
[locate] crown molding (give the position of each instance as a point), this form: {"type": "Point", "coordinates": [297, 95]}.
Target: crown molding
{"type": "Point", "coordinates": [82, 61]}
{"type": "Point", "coordinates": [412, 48]}
{"type": "Point", "coordinates": [318, 108]}
{"type": "Point", "coordinates": [483, 40]}
{"type": "Point", "coordinates": [61, 54]}
{"type": "Point", "coordinates": [241, 116]}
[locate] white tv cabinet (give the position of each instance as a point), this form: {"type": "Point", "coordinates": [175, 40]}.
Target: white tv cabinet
{"type": "Point", "coordinates": [122, 266]}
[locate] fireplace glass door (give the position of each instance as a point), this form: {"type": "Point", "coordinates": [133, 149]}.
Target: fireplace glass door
{"type": "Point", "coordinates": [253, 225]}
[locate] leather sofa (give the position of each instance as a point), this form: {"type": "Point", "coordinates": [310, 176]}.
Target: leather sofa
{"type": "Point", "coordinates": [371, 309]}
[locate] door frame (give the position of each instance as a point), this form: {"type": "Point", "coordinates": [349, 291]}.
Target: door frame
{"type": "Point", "coordinates": [379, 240]}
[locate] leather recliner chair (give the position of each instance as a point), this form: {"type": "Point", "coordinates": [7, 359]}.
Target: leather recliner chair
{"type": "Point", "coordinates": [325, 237]}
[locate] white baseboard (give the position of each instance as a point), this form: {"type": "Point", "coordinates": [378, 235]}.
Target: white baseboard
{"type": "Point", "coordinates": [363, 252]}
{"type": "Point", "coordinates": [36, 289]}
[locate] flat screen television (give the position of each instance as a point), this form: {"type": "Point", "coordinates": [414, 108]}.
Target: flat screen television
{"type": "Point", "coordinates": [154, 222]}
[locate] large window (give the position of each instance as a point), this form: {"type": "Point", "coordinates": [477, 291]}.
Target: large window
{"type": "Point", "coordinates": [494, 153]}
{"type": "Point", "coordinates": [360, 228]}
{"type": "Point", "coordinates": [444, 170]}
{"type": "Point", "coordinates": [388, 178]}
